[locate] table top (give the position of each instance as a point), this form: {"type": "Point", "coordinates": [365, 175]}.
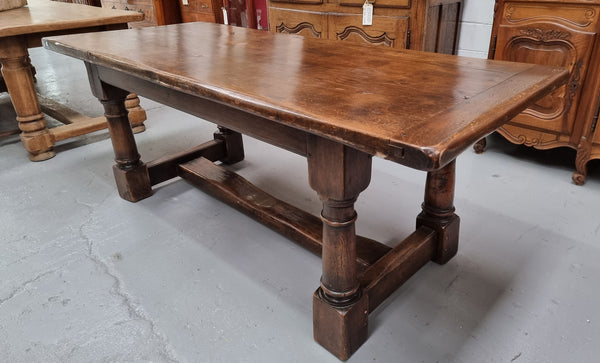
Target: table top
{"type": "Point", "coordinates": [45, 15]}
{"type": "Point", "coordinates": [429, 106]}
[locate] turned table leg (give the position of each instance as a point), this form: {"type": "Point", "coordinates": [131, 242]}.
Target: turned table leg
{"type": "Point", "coordinates": [131, 174]}
{"type": "Point", "coordinates": [438, 211]}
{"type": "Point", "coordinates": [137, 115]}
{"type": "Point", "coordinates": [340, 309]}
{"type": "Point", "coordinates": [16, 70]}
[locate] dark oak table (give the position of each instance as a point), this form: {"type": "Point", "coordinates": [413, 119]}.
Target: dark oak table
{"type": "Point", "coordinates": [23, 28]}
{"type": "Point", "coordinates": [330, 102]}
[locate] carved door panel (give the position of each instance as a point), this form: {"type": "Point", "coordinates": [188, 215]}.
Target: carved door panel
{"type": "Point", "coordinates": [309, 24]}
{"type": "Point", "coordinates": [386, 30]}
{"type": "Point", "coordinates": [535, 34]}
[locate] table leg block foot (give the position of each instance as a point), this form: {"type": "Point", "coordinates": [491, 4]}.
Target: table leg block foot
{"type": "Point", "coordinates": [139, 128]}
{"type": "Point", "coordinates": [234, 145]}
{"type": "Point", "coordinates": [340, 330]}
{"type": "Point", "coordinates": [133, 184]}
{"type": "Point", "coordinates": [42, 156]}
{"type": "Point", "coordinates": [39, 146]}
{"type": "Point", "coordinates": [447, 235]}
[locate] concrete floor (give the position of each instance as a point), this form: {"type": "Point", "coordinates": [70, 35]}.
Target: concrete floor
{"type": "Point", "coordinates": [180, 277]}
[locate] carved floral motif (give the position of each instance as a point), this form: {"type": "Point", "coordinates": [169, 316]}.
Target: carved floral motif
{"type": "Point", "coordinates": [545, 35]}
{"type": "Point", "coordinates": [573, 85]}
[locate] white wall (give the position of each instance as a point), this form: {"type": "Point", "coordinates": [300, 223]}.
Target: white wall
{"type": "Point", "coordinates": [476, 27]}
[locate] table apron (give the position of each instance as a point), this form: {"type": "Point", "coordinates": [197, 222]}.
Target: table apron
{"type": "Point", "coordinates": [256, 126]}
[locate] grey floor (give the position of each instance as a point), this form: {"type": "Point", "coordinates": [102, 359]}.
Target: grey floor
{"type": "Point", "coordinates": [180, 277]}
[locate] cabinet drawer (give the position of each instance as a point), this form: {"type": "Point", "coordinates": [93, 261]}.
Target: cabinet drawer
{"type": "Point", "coordinates": [559, 2]}
{"type": "Point", "coordinates": [386, 30]}
{"type": "Point", "coordinates": [191, 16]}
{"type": "Point", "coordinates": [200, 10]}
{"type": "Point", "coordinates": [196, 6]}
{"type": "Point", "coordinates": [300, 2]}
{"type": "Point", "coordinates": [581, 16]}
{"type": "Point", "coordinates": [398, 4]}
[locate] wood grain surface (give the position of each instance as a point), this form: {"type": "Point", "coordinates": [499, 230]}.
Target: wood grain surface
{"type": "Point", "coordinates": [418, 109]}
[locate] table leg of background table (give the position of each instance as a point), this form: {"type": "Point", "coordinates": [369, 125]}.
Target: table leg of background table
{"type": "Point", "coordinates": [340, 309]}
{"type": "Point", "coordinates": [438, 211]}
{"type": "Point", "coordinates": [137, 115]}
{"type": "Point", "coordinates": [16, 71]}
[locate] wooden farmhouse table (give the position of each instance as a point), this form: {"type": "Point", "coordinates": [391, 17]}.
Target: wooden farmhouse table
{"type": "Point", "coordinates": [23, 28]}
{"type": "Point", "coordinates": [330, 102]}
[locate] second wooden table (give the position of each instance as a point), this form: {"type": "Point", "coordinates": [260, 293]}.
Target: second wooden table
{"type": "Point", "coordinates": [23, 28]}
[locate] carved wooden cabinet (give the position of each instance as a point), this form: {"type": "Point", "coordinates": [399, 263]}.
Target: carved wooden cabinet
{"type": "Point", "coordinates": [429, 25]}
{"type": "Point", "coordinates": [554, 32]}
{"type": "Point", "coordinates": [201, 10]}
{"type": "Point", "coordinates": [156, 12]}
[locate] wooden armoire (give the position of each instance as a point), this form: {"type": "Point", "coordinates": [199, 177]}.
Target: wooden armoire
{"type": "Point", "coordinates": [429, 25]}
{"type": "Point", "coordinates": [563, 33]}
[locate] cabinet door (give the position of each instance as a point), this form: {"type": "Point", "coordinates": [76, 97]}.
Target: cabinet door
{"type": "Point", "coordinates": [441, 27]}
{"type": "Point", "coordinates": [309, 24]}
{"type": "Point", "coordinates": [387, 31]}
{"type": "Point", "coordinates": [551, 34]}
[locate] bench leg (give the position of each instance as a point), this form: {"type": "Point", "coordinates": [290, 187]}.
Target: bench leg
{"type": "Point", "coordinates": [340, 309]}
{"type": "Point", "coordinates": [16, 70]}
{"type": "Point", "coordinates": [438, 211]}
